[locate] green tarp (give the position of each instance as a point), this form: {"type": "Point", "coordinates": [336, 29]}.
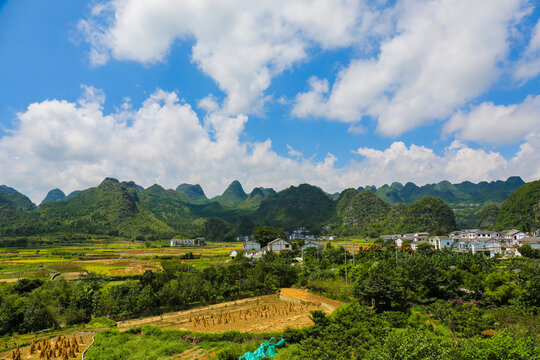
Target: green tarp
{"type": "Point", "coordinates": [265, 349]}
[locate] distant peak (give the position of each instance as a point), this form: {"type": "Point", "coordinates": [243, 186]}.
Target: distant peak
{"type": "Point", "coordinates": [54, 195]}
{"type": "Point", "coordinates": [235, 188]}
{"type": "Point", "coordinates": [110, 180]}
{"type": "Point", "coordinates": [193, 192]}
{"type": "Point", "coordinates": [256, 192]}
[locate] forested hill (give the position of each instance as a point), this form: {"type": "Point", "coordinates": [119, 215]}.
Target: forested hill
{"type": "Point", "coordinates": [14, 198]}
{"type": "Point", "coordinates": [465, 192]}
{"type": "Point", "coordinates": [127, 209]}
{"type": "Point", "coordinates": [522, 209]}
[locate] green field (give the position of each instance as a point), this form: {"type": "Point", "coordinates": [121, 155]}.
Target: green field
{"type": "Point", "coordinates": [114, 257]}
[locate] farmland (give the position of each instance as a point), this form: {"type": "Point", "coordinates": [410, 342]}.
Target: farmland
{"type": "Point", "coordinates": [118, 258]}
{"type": "Point", "coordinates": [257, 314]}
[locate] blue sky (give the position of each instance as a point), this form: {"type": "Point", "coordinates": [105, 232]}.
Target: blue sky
{"type": "Point", "coordinates": [335, 93]}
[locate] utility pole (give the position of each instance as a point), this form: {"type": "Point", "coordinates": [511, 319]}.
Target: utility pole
{"type": "Point", "coordinates": [353, 261]}
{"type": "Point", "coordinates": [346, 281]}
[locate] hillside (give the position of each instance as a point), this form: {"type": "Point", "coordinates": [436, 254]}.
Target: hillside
{"type": "Point", "coordinates": [305, 205]}
{"type": "Point", "coordinates": [465, 192]}
{"type": "Point", "coordinates": [19, 201]}
{"type": "Point", "coordinates": [430, 214]}
{"type": "Point", "coordinates": [54, 195]}
{"type": "Point", "coordinates": [194, 193]}
{"type": "Point", "coordinates": [361, 212]}
{"type": "Point", "coordinates": [232, 196]}
{"type": "Point", "coordinates": [111, 208]}
{"type": "Point", "coordinates": [521, 210]}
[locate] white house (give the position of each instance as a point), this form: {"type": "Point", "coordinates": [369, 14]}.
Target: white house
{"type": "Point", "coordinates": [300, 234]}
{"type": "Point", "coordinates": [276, 246]}
{"type": "Point", "coordinates": [313, 244]}
{"type": "Point", "coordinates": [251, 245]}
{"type": "Point", "coordinates": [420, 236]}
{"type": "Point", "coordinates": [486, 235]}
{"type": "Point", "coordinates": [415, 244]}
{"type": "Point", "coordinates": [487, 247]}
{"type": "Point", "coordinates": [441, 242]}
{"type": "Point", "coordinates": [534, 241]}
{"type": "Point", "coordinates": [469, 234]}
{"type": "Point", "coordinates": [188, 242]}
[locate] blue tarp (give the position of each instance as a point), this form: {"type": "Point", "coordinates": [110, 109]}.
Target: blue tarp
{"type": "Point", "coordinates": [265, 349]}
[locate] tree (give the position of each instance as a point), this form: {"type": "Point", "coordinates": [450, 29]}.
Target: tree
{"type": "Point", "coordinates": [527, 251]}
{"type": "Point", "coordinates": [264, 234]}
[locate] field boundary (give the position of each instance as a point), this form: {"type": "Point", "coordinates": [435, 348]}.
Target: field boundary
{"type": "Point", "coordinates": [89, 346]}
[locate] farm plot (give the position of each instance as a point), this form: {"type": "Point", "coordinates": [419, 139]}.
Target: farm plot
{"type": "Point", "coordinates": [61, 347]}
{"type": "Point", "coordinates": [259, 314]}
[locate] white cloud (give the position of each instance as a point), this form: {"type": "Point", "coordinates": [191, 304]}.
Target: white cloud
{"type": "Point", "coordinates": [75, 145]}
{"type": "Point", "coordinates": [241, 44]}
{"type": "Point", "coordinates": [528, 66]}
{"type": "Point", "coordinates": [442, 54]}
{"type": "Point", "coordinates": [496, 124]}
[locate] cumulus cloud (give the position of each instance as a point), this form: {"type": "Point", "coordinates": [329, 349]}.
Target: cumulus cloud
{"type": "Point", "coordinates": [528, 66]}
{"type": "Point", "coordinates": [442, 54]}
{"type": "Point", "coordinates": [74, 145]}
{"type": "Point", "coordinates": [241, 44]}
{"type": "Point", "coordinates": [496, 124]}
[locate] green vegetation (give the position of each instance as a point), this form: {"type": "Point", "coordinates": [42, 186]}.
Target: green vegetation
{"type": "Point", "coordinates": [465, 192]}
{"type": "Point", "coordinates": [149, 343]}
{"type": "Point", "coordinates": [232, 196]}
{"type": "Point", "coordinates": [427, 305]}
{"type": "Point", "coordinates": [126, 209]}
{"type": "Point", "coordinates": [522, 209]}
{"type": "Point", "coordinates": [194, 193]}
{"type": "Point", "coordinates": [305, 205]}
{"type": "Point", "coordinates": [54, 195]}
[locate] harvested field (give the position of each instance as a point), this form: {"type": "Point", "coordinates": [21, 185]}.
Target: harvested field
{"type": "Point", "coordinates": [300, 295]}
{"type": "Point", "coordinates": [69, 346]}
{"type": "Point", "coordinates": [258, 314]}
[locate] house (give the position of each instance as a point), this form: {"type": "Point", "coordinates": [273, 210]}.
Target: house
{"type": "Point", "coordinates": [534, 241]}
{"type": "Point", "coordinates": [420, 236]}
{"type": "Point", "coordinates": [441, 242]}
{"type": "Point", "coordinates": [253, 254]}
{"type": "Point", "coordinates": [509, 234]}
{"type": "Point", "coordinates": [485, 235]}
{"type": "Point", "coordinates": [233, 254]}
{"type": "Point", "coordinates": [461, 246]}
{"type": "Point", "coordinates": [415, 244]}
{"type": "Point", "coordinates": [244, 238]}
{"type": "Point", "coordinates": [536, 233]}
{"type": "Point", "coordinates": [300, 234]}
{"type": "Point", "coordinates": [390, 237]}
{"type": "Point", "coordinates": [276, 246]}
{"type": "Point", "coordinates": [487, 247]}
{"type": "Point", "coordinates": [312, 244]}
{"type": "Point", "coordinates": [251, 245]}
{"type": "Point", "coordinates": [469, 233]}
{"type": "Point", "coordinates": [188, 242]}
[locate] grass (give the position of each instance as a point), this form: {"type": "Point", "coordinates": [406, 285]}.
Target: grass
{"type": "Point", "coordinates": [150, 344]}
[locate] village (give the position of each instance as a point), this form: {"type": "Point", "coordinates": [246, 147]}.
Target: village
{"type": "Point", "coordinates": [489, 243]}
